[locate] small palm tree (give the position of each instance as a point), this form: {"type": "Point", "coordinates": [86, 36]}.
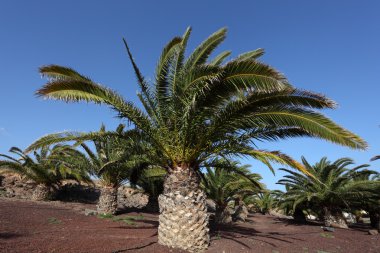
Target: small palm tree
{"type": "Point", "coordinates": [225, 182]}
{"type": "Point", "coordinates": [330, 187]}
{"type": "Point", "coordinates": [265, 201]}
{"type": "Point", "coordinates": [371, 205]}
{"type": "Point", "coordinates": [151, 180]}
{"type": "Point", "coordinates": [116, 160]}
{"type": "Point", "coordinates": [47, 170]}
{"type": "Point", "coordinates": [199, 109]}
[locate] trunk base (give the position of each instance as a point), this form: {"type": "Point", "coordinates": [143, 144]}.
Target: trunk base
{"type": "Point", "coordinates": [334, 219]}
{"type": "Point", "coordinates": [107, 201]}
{"type": "Point", "coordinates": [241, 212]}
{"type": "Point", "coordinates": [184, 221]}
{"type": "Point", "coordinates": [375, 220]}
{"type": "Point", "coordinates": [223, 215]}
{"type": "Point", "coordinates": [152, 205]}
{"type": "Point", "coordinates": [299, 216]}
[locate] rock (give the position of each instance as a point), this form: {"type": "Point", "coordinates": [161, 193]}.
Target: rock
{"type": "Point", "coordinates": [329, 229]}
{"type": "Point", "coordinates": [373, 232]}
{"type": "Point", "coordinates": [90, 212]}
{"type": "Point", "coordinates": [350, 218]}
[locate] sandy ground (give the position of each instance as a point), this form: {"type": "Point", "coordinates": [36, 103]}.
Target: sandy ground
{"type": "Point", "coordinates": [56, 227]}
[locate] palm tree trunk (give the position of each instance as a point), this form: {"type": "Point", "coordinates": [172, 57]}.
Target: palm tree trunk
{"type": "Point", "coordinates": [299, 216]}
{"type": "Point", "coordinates": [107, 200]}
{"type": "Point", "coordinates": [241, 212]}
{"type": "Point", "coordinates": [375, 219]}
{"type": "Point", "coordinates": [222, 214]}
{"type": "Point", "coordinates": [183, 220]}
{"type": "Point", "coordinates": [152, 205]}
{"type": "Point", "coordinates": [43, 192]}
{"type": "Point", "coordinates": [334, 218]}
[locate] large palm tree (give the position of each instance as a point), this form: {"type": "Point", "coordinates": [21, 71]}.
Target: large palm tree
{"type": "Point", "coordinates": [199, 108]}
{"type": "Point", "coordinates": [47, 169]}
{"type": "Point", "coordinates": [329, 188]}
{"type": "Point", "coordinates": [228, 181]}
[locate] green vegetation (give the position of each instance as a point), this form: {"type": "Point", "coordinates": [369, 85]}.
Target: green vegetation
{"type": "Point", "coordinates": [48, 168]}
{"type": "Point", "coordinates": [126, 219]}
{"type": "Point", "coordinates": [226, 182]}
{"type": "Point", "coordinates": [53, 220]}
{"type": "Point", "coordinates": [329, 188]}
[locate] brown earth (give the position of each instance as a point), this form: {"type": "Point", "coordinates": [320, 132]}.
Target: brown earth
{"type": "Point", "coordinates": [55, 227]}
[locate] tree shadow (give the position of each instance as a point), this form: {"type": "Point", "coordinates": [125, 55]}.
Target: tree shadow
{"type": "Point", "coordinates": [134, 248]}
{"type": "Point", "coordinates": [291, 222]}
{"type": "Point", "coordinates": [78, 194]}
{"type": "Point", "coordinates": [237, 232]}
{"type": "Point", "coordinates": [5, 235]}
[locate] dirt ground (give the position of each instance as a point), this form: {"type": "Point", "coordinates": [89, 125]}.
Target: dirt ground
{"type": "Point", "coordinates": [56, 227]}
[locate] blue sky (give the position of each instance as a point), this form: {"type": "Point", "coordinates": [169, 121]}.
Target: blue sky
{"type": "Point", "coordinates": [331, 47]}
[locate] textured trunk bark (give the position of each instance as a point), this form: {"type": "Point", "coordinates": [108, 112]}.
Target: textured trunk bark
{"type": "Point", "coordinates": [299, 216]}
{"type": "Point", "coordinates": [183, 220]}
{"type": "Point", "coordinates": [241, 212]}
{"type": "Point", "coordinates": [334, 218]}
{"type": "Point", "coordinates": [222, 214]}
{"type": "Point", "coordinates": [375, 219]}
{"type": "Point", "coordinates": [42, 192]}
{"type": "Point", "coordinates": [107, 200]}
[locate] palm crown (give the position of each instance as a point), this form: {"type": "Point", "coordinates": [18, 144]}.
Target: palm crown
{"type": "Point", "coordinates": [198, 107]}
{"type": "Point", "coordinates": [48, 167]}
{"type": "Point", "coordinates": [332, 184]}
{"type": "Point", "coordinates": [228, 180]}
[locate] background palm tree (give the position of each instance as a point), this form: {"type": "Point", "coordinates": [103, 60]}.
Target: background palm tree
{"type": "Point", "coordinates": [228, 181]}
{"type": "Point", "coordinates": [47, 169]}
{"type": "Point", "coordinates": [264, 201]}
{"type": "Point", "coordinates": [116, 158]}
{"type": "Point", "coordinates": [330, 188]}
{"type": "Point", "coordinates": [198, 109]}
{"type": "Point", "coordinates": [151, 180]}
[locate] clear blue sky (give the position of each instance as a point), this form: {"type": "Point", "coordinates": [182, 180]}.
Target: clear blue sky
{"type": "Point", "coordinates": [331, 47]}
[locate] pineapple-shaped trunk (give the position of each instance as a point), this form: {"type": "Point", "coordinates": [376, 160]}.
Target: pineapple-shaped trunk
{"type": "Point", "coordinates": [107, 200]}
{"type": "Point", "coordinates": [222, 214]}
{"type": "Point", "coordinates": [241, 211]}
{"type": "Point", "coordinates": [43, 192]}
{"type": "Point", "coordinates": [183, 220]}
{"type": "Point", "coordinates": [334, 218]}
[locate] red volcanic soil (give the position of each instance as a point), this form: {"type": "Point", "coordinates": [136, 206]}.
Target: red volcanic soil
{"type": "Point", "coordinates": [56, 227]}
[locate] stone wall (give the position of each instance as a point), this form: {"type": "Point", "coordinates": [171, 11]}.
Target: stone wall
{"type": "Point", "coordinates": [13, 186]}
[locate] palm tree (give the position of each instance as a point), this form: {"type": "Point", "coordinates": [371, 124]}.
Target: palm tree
{"type": "Point", "coordinates": [225, 182]}
{"type": "Point", "coordinates": [264, 201]}
{"type": "Point", "coordinates": [198, 109]}
{"type": "Point", "coordinates": [47, 170]}
{"type": "Point", "coordinates": [330, 187]}
{"type": "Point", "coordinates": [151, 180]}
{"type": "Point", "coordinates": [372, 206]}
{"type": "Point", "coordinates": [116, 159]}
